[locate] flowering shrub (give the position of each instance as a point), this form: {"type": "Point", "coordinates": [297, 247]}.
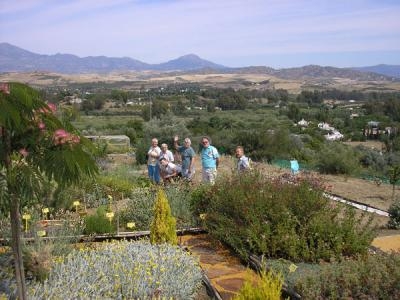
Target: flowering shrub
{"type": "Point", "coordinates": [62, 137]}
{"type": "Point", "coordinates": [123, 270]}
{"type": "Point", "coordinates": [279, 219]}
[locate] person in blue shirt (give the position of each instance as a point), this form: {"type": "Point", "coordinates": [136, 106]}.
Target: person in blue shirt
{"type": "Point", "coordinates": [209, 161]}
{"type": "Point", "coordinates": [187, 155]}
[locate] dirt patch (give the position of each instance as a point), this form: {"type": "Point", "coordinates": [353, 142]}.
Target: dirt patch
{"type": "Point", "coordinates": [376, 145]}
{"type": "Point", "coordinates": [387, 243]}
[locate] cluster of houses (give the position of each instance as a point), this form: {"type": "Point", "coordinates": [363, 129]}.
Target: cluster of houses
{"type": "Point", "coordinates": [371, 131]}
{"type": "Point", "coordinates": [332, 135]}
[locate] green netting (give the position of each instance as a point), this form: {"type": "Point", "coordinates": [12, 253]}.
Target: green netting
{"type": "Point", "coordinates": [282, 163]}
{"type": "Point", "coordinates": [382, 179]}
{"type": "Point", "coordinates": [285, 164]}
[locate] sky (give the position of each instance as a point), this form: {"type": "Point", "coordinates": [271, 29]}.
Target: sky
{"type": "Point", "coordinates": [274, 33]}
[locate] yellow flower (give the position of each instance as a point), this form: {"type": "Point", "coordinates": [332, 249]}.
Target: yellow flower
{"type": "Point", "coordinates": [292, 268]}
{"type": "Point", "coordinates": [41, 233]}
{"type": "Point", "coordinates": [130, 225]}
{"type": "Point", "coordinates": [203, 216]}
{"type": "Point", "coordinates": [26, 216]}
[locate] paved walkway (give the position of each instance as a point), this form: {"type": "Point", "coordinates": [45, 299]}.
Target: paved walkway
{"type": "Point", "coordinates": [224, 270]}
{"type": "Point", "coordinates": [387, 243]}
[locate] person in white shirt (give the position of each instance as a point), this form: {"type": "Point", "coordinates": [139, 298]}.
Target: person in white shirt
{"type": "Point", "coordinates": [168, 155]}
{"type": "Point", "coordinates": [165, 153]}
{"type": "Point", "coordinates": [153, 156]}
{"type": "Point", "coordinates": [171, 170]}
{"type": "Point", "coordinates": [243, 162]}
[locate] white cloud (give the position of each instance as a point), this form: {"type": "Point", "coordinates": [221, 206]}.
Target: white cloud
{"type": "Point", "coordinates": [155, 31]}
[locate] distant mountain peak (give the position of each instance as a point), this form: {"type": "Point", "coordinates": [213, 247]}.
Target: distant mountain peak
{"type": "Point", "coordinates": [13, 58]}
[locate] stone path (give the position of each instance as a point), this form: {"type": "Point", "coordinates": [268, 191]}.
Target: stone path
{"type": "Point", "coordinates": [225, 271]}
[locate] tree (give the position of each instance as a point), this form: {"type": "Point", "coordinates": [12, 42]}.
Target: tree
{"type": "Point", "coordinates": [163, 227]}
{"type": "Point", "coordinates": [35, 145]}
{"type": "Point", "coordinates": [155, 109]}
{"type": "Point", "coordinates": [293, 112]}
{"type": "Point", "coordinates": [394, 177]}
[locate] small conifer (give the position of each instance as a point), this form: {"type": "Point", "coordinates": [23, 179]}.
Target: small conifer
{"type": "Point", "coordinates": [163, 227]}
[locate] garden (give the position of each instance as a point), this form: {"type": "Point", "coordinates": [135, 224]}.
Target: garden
{"type": "Point", "coordinates": [60, 193]}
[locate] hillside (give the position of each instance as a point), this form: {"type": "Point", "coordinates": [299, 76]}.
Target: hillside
{"type": "Point", "coordinates": [387, 70]}
{"type": "Point", "coordinates": [15, 59]}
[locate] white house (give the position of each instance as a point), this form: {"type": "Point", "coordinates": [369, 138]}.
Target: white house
{"type": "Point", "coordinates": [303, 123]}
{"type": "Point", "coordinates": [333, 136]}
{"type": "Point", "coordinates": [325, 126]}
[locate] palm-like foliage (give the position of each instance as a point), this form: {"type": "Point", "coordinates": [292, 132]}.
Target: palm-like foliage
{"type": "Point", "coordinates": [35, 144]}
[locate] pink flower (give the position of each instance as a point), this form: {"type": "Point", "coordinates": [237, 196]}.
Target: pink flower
{"type": "Point", "coordinates": [23, 152]}
{"type": "Point", "coordinates": [52, 107]}
{"type": "Point", "coordinates": [76, 139]}
{"type": "Point", "coordinates": [41, 125]}
{"type": "Point", "coordinates": [60, 136]}
{"type": "Point", "coordinates": [60, 133]}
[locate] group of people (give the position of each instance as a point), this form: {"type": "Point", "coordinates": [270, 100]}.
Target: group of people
{"type": "Point", "coordinates": [161, 164]}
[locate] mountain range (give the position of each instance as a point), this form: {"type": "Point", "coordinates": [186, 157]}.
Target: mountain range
{"type": "Point", "coordinates": [15, 59]}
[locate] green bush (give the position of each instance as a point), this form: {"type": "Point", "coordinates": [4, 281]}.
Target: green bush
{"type": "Point", "coordinates": [139, 208]}
{"type": "Point", "coordinates": [267, 287]}
{"type": "Point", "coordinates": [277, 219]}
{"type": "Point", "coordinates": [123, 270]}
{"type": "Point", "coordinates": [336, 158]}
{"type": "Point", "coordinates": [366, 277]}
{"type": "Point", "coordinates": [163, 226]}
{"type": "Point", "coordinates": [114, 185]}
{"type": "Point", "coordinates": [99, 223]}
{"type": "Point", "coordinates": [394, 215]}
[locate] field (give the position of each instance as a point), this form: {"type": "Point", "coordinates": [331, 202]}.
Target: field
{"type": "Point", "coordinates": [149, 79]}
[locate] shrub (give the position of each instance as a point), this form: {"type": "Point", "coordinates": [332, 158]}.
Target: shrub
{"type": "Point", "coordinates": [115, 186]}
{"type": "Point", "coordinates": [98, 223]}
{"type": "Point", "coordinates": [139, 208]}
{"type": "Point", "coordinates": [366, 277]}
{"type": "Point", "coordinates": [163, 226]}
{"type": "Point", "coordinates": [394, 215]}
{"type": "Point", "coordinates": [276, 219]}
{"type": "Point", "coordinates": [336, 158]}
{"type": "Point", "coordinates": [267, 287]}
{"type": "Point", "coordinates": [39, 254]}
{"type": "Point", "coordinates": [122, 270]}
{"type": "Point", "coordinates": [38, 260]}
{"type": "Point", "coordinates": [179, 200]}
